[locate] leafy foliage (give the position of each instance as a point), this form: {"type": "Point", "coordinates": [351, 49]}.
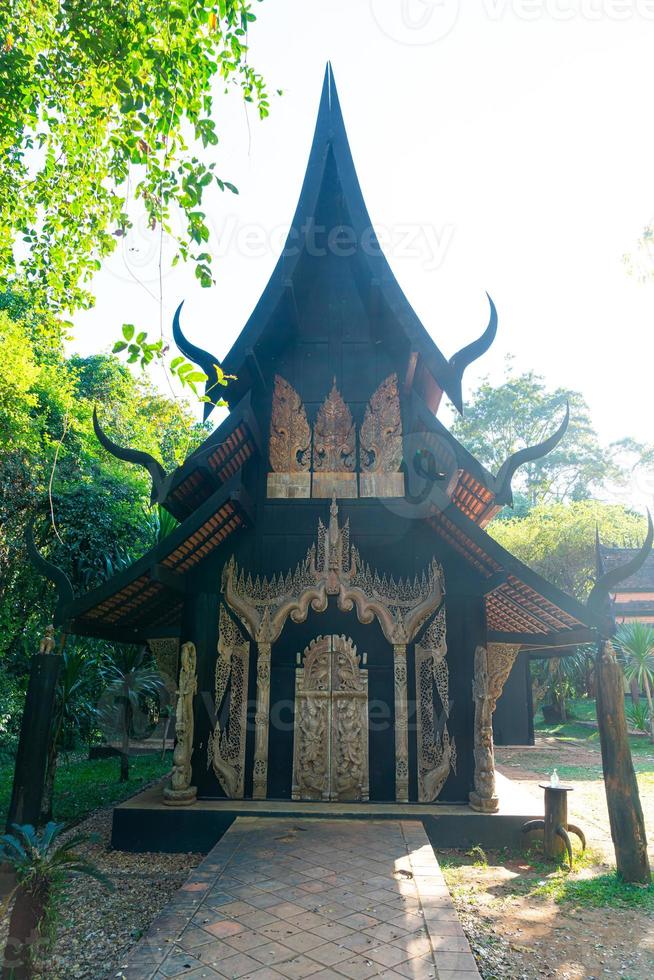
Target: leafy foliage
{"type": "Point", "coordinates": [44, 866]}
{"type": "Point", "coordinates": [521, 412]}
{"type": "Point", "coordinates": [558, 540]}
{"type": "Point", "coordinates": [134, 693]}
{"type": "Point", "coordinates": [635, 642]}
{"type": "Point", "coordinates": [99, 504]}
{"type": "Point", "coordinates": [105, 104]}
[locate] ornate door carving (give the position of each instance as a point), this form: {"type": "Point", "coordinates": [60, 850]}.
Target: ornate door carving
{"type": "Point", "coordinates": [330, 746]}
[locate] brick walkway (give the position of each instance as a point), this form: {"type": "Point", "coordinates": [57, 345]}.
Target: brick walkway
{"type": "Point", "coordinates": [280, 898]}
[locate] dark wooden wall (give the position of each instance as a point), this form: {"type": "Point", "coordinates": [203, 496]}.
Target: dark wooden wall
{"type": "Point", "coordinates": [513, 720]}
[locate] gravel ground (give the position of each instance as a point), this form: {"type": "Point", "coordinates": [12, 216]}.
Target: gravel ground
{"type": "Point", "coordinates": [98, 927]}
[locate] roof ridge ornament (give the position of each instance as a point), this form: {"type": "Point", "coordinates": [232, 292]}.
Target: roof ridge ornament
{"type": "Point", "coordinates": [599, 600]}
{"type": "Point", "coordinates": [208, 362]}
{"type": "Point", "coordinates": [506, 472]}
{"type": "Point", "coordinates": [140, 457]}
{"type": "Point", "coordinates": [471, 352]}
{"type": "Point", "coordinates": [48, 569]}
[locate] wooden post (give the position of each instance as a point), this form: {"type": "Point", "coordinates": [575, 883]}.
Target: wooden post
{"type": "Point", "coordinates": [556, 816]}
{"type": "Point", "coordinates": [622, 798]}
{"type": "Point", "coordinates": [35, 735]}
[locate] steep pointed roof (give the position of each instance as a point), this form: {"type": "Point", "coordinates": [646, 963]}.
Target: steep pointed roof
{"type": "Point", "coordinates": [338, 200]}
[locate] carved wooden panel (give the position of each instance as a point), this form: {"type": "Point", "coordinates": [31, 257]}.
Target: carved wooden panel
{"type": "Point", "coordinates": [381, 443]}
{"type": "Point", "coordinates": [436, 750]}
{"type": "Point", "coordinates": [226, 750]}
{"type": "Point", "coordinates": [334, 449]}
{"type": "Point", "coordinates": [289, 445]}
{"type": "Point", "coordinates": [330, 749]}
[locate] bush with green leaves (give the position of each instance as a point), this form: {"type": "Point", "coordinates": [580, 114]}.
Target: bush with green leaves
{"type": "Point", "coordinates": [635, 642]}
{"type": "Point", "coordinates": [44, 866]}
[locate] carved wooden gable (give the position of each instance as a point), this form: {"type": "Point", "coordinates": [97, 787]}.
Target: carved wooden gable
{"type": "Point", "coordinates": [329, 467]}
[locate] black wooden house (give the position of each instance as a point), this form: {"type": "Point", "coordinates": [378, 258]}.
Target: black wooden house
{"type": "Point", "coordinates": [354, 622]}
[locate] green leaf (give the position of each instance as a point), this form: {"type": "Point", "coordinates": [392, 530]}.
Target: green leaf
{"type": "Point", "coordinates": [128, 331]}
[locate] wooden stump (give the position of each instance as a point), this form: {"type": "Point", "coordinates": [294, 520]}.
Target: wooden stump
{"type": "Point", "coordinates": [623, 801]}
{"type": "Point", "coordinates": [556, 817]}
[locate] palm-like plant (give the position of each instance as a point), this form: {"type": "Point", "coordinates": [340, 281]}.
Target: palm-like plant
{"type": "Point", "coordinates": [73, 709]}
{"type": "Point", "coordinates": [636, 644]}
{"type": "Point", "coordinates": [43, 867]}
{"type": "Point", "coordinates": [130, 683]}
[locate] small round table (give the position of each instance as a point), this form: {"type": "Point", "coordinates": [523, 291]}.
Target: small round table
{"type": "Point", "coordinates": [555, 826]}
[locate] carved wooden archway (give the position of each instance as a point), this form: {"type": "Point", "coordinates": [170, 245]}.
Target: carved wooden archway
{"type": "Point", "coordinates": [332, 568]}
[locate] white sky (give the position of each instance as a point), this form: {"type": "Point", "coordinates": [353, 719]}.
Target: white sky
{"type": "Point", "coordinates": [504, 146]}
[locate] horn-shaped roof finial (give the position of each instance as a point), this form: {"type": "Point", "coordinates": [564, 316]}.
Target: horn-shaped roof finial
{"type": "Point", "coordinates": [463, 358]}
{"type": "Point", "coordinates": [599, 599]}
{"type": "Point", "coordinates": [201, 357]}
{"type": "Point", "coordinates": [503, 489]}
{"type": "Point", "coordinates": [153, 466]}
{"type": "Point", "coordinates": [56, 575]}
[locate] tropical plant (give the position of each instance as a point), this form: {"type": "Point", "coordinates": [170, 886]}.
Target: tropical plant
{"type": "Point", "coordinates": [44, 867]}
{"type": "Point", "coordinates": [132, 698]}
{"type": "Point", "coordinates": [74, 709]}
{"type": "Point", "coordinates": [557, 679]}
{"type": "Point", "coordinates": [635, 641]}
{"type": "Point", "coordinates": [639, 718]}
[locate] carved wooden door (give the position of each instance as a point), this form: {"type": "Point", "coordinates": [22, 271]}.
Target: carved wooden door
{"type": "Point", "coordinates": [330, 745]}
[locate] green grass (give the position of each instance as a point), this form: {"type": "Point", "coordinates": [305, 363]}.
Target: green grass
{"type": "Point", "coordinates": [541, 878]}
{"type": "Point", "coordinates": [83, 786]}
{"type": "Point", "coordinates": [600, 891]}
{"type": "Point", "coordinates": [642, 750]}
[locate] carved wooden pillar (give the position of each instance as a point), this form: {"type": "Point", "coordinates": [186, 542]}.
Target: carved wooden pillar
{"type": "Point", "coordinates": [492, 667]}
{"type": "Point", "coordinates": [261, 722]}
{"type": "Point", "coordinates": [401, 724]}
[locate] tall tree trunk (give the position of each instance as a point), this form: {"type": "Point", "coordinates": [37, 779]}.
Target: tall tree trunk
{"type": "Point", "coordinates": [51, 769]}
{"type": "Point", "coordinates": [623, 801]}
{"type": "Point", "coordinates": [124, 756]}
{"type": "Point", "coordinates": [24, 938]}
{"type": "Point", "coordinates": [124, 748]}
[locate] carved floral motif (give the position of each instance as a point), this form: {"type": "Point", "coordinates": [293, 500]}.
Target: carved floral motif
{"type": "Point", "coordinates": [492, 667]}
{"type": "Point", "coordinates": [331, 568]}
{"type": "Point", "coordinates": [290, 435]}
{"type": "Point", "coordinates": [381, 432]}
{"type": "Point", "coordinates": [333, 436]}
{"type": "Point", "coordinates": [226, 749]}
{"type": "Point", "coordinates": [180, 791]}
{"type": "Point", "coordinates": [436, 750]}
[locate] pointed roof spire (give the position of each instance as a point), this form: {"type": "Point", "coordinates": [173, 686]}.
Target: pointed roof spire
{"type": "Point", "coordinates": [330, 146]}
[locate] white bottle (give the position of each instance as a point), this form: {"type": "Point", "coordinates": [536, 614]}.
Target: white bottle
{"type": "Point", "coordinates": [554, 779]}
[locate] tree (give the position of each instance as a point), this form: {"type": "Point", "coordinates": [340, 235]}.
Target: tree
{"type": "Point", "coordinates": [54, 471]}
{"type": "Point", "coordinates": [522, 412]}
{"type": "Point", "coordinates": [105, 104]}
{"type": "Point", "coordinates": [636, 643]}
{"type": "Point", "coordinates": [558, 540]}
{"type": "Point", "coordinates": [132, 687]}
{"type": "Point", "coordinates": [74, 709]}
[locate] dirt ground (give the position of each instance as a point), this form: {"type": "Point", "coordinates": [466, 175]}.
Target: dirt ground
{"type": "Point", "coordinates": [507, 901]}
